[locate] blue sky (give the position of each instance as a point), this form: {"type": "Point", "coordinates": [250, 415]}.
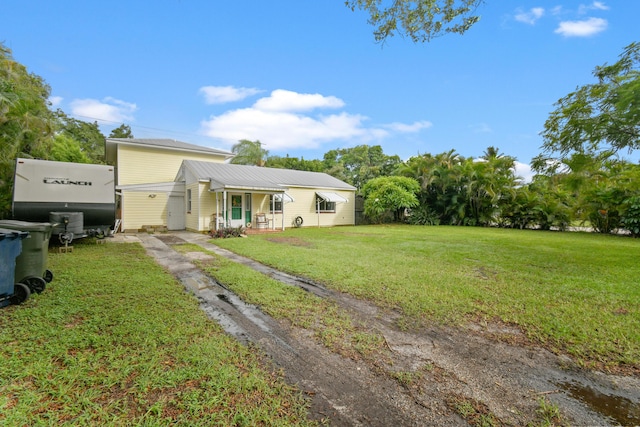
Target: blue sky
{"type": "Point", "coordinates": [305, 77]}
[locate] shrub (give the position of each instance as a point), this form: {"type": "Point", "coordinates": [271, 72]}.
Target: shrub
{"type": "Point", "coordinates": [226, 232]}
{"type": "Point", "coordinates": [631, 218]}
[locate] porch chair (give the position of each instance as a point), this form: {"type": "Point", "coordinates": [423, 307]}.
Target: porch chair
{"type": "Point", "coordinates": [262, 221]}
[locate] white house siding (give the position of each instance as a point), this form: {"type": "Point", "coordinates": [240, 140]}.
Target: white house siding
{"type": "Point", "coordinates": [138, 209]}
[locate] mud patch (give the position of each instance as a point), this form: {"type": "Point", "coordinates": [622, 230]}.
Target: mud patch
{"type": "Point", "coordinates": [619, 408]}
{"type": "Point", "coordinates": [293, 241]}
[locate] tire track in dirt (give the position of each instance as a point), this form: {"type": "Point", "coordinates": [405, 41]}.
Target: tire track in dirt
{"type": "Point", "coordinates": [446, 366]}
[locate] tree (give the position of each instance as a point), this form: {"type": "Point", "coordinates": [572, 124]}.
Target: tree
{"type": "Point", "coordinates": [599, 117]}
{"type": "Point", "coordinates": [249, 153]}
{"type": "Point", "coordinates": [294, 163]}
{"type": "Point", "coordinates": [359, 164]}
{"type": "Point", "coordinates": [122, 131]}
{"type": "Point", "coordinates": [87, 134]}
{"type": "Point", "coordinates": [67, 149]}
{"type": "Point", "coordinates": [389, 194]}
{"type": "Point", "coordinates": [26, 123]}
{"type": "Point", "coordinates": [421, 20]}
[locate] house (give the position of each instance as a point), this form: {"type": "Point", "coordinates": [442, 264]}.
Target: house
{"type": "Point", "coordinates": [173, 184]}
{"type": "Point", "coordinates": [219, 195]}
{"type": "Point", "coordinates": [146, 191]}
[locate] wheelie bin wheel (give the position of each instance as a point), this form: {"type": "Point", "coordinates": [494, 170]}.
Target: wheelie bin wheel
{"type": "Point", "coordinates": [48, 276]}
{"type": "Point", "coordinates": [35, 283]}
{"type": "Point", "coordinates": [21, 293]}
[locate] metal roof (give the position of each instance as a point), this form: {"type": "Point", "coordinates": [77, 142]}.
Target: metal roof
{"type": "Point", "coordinates": [169, 144]}
{"type": "Point", "coordinates": [224, 175]}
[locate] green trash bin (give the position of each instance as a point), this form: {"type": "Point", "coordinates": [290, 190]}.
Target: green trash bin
{"type": "Point", "coordinates": [31, 264]}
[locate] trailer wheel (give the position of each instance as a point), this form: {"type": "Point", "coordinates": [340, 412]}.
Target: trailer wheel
{"type": "Point", "coordinates": [48, 276]}
{"type": "Point", "coordinates": [21, 293]}
{"type": "Point", "coordinates": [35, 283]}
{"type": "Point", "coordinates": [298, 221]}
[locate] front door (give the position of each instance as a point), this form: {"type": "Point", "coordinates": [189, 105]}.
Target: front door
{"type": "Point", "coordinates": [236, 211]}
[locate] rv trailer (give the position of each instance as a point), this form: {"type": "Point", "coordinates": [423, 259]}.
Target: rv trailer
{"type": "Point", "coordinates": [49, 191]}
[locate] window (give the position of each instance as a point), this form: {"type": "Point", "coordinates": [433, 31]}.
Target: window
{"type": "Point", "coordinates": [326, 206]}
{"type": "Point", "coordinates": [275, 206]}
{"type": "Point", "coordinates": [189, 201]}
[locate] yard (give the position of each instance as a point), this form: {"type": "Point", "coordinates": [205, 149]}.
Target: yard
{"type": "Point", "coordinates": [571, 292]}
{"type": "Point", "coordinates": [115, 340]}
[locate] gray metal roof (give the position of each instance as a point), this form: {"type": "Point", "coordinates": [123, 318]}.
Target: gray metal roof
{"type": "Point", "coordinates": [170, 144]}
{"type": "Point", "coordinates": [224, 175]}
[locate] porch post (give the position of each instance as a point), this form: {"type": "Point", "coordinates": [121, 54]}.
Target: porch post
{"type": "Point", "coordinates": [273, 211]}
{"type": "Point", "coordinates": [224, 207]}
{"type": "Point", "coordinates": [217, 211]}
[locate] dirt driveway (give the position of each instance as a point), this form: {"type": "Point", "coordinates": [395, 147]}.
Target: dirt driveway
{"type": "Point", "coordinates": [437, 376]}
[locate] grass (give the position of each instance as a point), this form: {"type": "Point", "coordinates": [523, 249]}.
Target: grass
{"type": "Point", "coordinates": [328, 322]}
{"type": "Point", "coordinates": [115, 340]}
{"type": "Point", "coordinates": [572, 292]}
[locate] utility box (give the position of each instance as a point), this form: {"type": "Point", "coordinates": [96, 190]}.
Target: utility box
{"type": "Point", "coordinates": [31, 264]}
{"type": "Point", "coordinates": [10, 248]}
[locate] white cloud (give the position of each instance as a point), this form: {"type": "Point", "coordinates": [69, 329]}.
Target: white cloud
{"type": "Point", "coordinates": [409, 128]}
{"type": "Point", "coordinates": [109, 109]}
{"type": "Point", "coordinates": [286, 100]}
{"type": "Point", "coordinates": [482, 128]}
{"type": "Point", "coordinates": [596, 5]}
{"type": "Point", "coordinates": [524, 171]}
{"type": "Point", "coordinates": [224, 94]}
{"type": "Point", "coordinates": [531, 16]}
{"type": "Point", "coordinates": [55, 100]}
{"type": "Point", "coordinates": [286, 120]}
{"type": "Point", "coordinates": [585, 28]}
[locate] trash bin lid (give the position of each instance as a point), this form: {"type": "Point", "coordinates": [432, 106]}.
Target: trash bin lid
{"type": "Point", "coordinates": [26, 226]}
{"type": "Point", "coordinates": [6, 233]}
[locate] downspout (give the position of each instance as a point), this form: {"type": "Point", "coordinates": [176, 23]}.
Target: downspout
{"type": "Point", "coordinates": [318, 210]}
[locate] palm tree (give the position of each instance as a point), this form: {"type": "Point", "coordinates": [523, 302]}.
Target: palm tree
{"type": "Point", "coordinates": [249, 153]}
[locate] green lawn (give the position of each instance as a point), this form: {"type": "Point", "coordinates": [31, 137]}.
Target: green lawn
{"type": "Point", "coordinates": [573, 292]}
{"type": "Point", "coordinates": [115, 341]}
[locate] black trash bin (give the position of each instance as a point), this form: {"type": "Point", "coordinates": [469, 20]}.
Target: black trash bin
{"type": "Point", "coordinates": [10, 248]}
{"type": "Point", "coordinates": [31, 264]}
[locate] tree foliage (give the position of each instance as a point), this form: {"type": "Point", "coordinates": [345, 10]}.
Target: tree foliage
{"type": "Point", "coordinates": [389, 195]}
{"type": "Point", "coordinates": [421, 20]}
{"type": "Point", "coordinates": [26, 123]}
{"type": "Point", "coordinates": [359, 164]}
{"type": "Point", "coordinates": [598, 117]}
{"type": "Point", "coordinates": [88, 136]}
{"type": "Point", "coordinates": [249, 153]}
{"type": "Point", "coordinates": [122, 131]}
{"type": "Point", "coordinates": [294, 163]}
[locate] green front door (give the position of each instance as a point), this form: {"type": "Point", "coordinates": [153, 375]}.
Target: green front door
{"type": "Point", "coordinates": [236, 207]}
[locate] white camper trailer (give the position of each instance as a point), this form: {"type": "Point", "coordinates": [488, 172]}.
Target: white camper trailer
{"type": "Point", "coordinates": [42, 188]}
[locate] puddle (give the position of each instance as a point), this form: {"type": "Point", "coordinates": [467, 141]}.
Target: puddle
{"type": "Point", "coordinates": [619, 408]}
